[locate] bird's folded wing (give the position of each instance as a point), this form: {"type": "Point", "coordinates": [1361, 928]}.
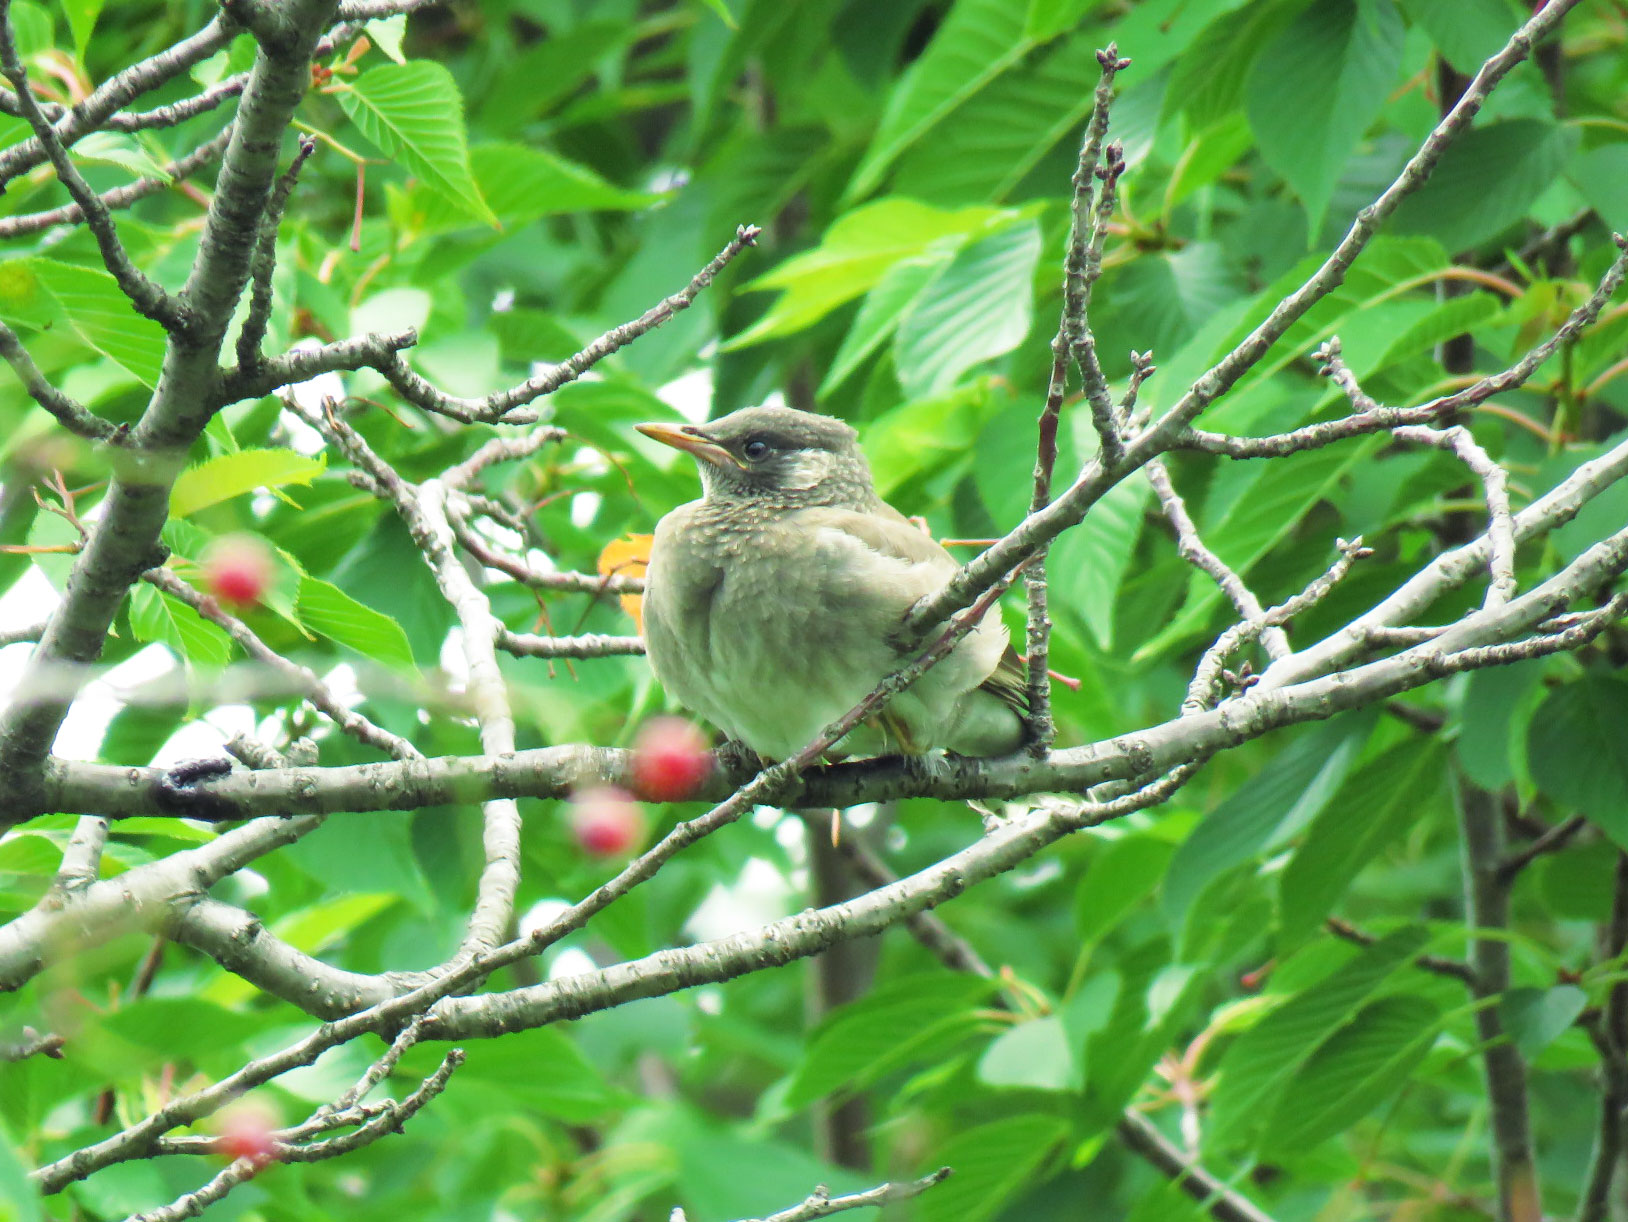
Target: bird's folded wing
{"type": "Point", "coordinates": [920, 567]}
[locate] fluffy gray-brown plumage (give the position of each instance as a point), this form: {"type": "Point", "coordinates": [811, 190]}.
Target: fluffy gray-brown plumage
{"type": "Point", "coordinates": [771, 604]}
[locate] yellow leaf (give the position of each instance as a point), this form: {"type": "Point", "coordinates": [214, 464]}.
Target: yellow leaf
{"type": "Point", "coordinates": [627, 558]}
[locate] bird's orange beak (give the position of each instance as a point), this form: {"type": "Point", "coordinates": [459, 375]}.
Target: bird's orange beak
{"type": "Point", "coordinates": [691, 440]}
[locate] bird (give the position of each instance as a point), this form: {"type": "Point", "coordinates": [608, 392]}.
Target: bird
{"type": "Point", "coordinates": [772, 603]}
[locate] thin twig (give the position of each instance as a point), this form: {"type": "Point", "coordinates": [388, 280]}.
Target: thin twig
{"type": "Point", "coordinates": [505, 405]}
{"type": "Point", "coordinates": [1193, 549]}
{"type": "Point", "coordinates": [149, 299]}
{"type": "Point", "coordinates": [587, 645]}
{"type": "Point", "coordinates": [1556, 838]}
{"type": "Point", "coordinates": [1495, 481]}
{"type": "Point", "coordinates": [1438, 965]}
{"type": "Point", "coordinates": [302, 679]}
{"type": "Point", "coordinates": [253, 332]}
{"type": "Point", "coordinates": [121, 197]}
{"type": "Point", "coordinates": [821, 1204]}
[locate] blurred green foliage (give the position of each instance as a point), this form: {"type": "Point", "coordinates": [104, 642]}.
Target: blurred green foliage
{"type": "Point", "coordinates": [539, 170]}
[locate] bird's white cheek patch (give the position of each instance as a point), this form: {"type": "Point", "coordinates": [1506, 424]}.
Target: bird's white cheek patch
{"type": "Point", "coordinates": [803, 471]}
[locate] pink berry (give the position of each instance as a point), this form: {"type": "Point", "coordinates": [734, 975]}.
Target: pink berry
{"type": "Point", "coordinates": [239, 569]}
{"type": "Point", "coordinates": [670, 760]}
{"type": "Point", "coordinates": [606, 821]}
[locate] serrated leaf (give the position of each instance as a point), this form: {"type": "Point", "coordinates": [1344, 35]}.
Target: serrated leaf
{"type": "Point", "coordinates": [1263, 1060]}
{"type": "Point", "coordinates": [1601, 174]}
{"type": "Point", "coordinates": [1317, 87]}
{"type": "Point", "coordinates": [856, 252]}
{"type": "Point", "coordinates": [520, 185]}
{"type": "Point", "coordinates": [1375, 806]}
{"type": "Point", "coordinates": [894, 1026]}
{"type": "Point", "coordinates": [978, 307]}
{"type": "Point", "coordinates": [414, 111]}
{"type": "Point", "coordinates": [1485, 182]}
{"type": "Point", "coordinates": [155, 616]}
{"type": "Point", "coordinates": [1273, 804]}
{"type": "Point", "coordinates": [327, 610]}
{"type": "Point", "coordinates": [1574, 749]}
{"type": "Point", "coordinates": [992, 1163]}
{"type": "Point", "coordinates": [1467, 32]}
{"type": "Point", "coordinates": [1455, 316]}
{"type": "Point", "coordinates": [1360, 1066]}
{"type": "Point", "coordinates": [1164, 298]}
{"type": "Point", "coordinates": [1088, 564]}
{"type": "Point", "coordinates": [1000, 134]}
{"type": "Point", "coordinates": [116, 149]}
{"type": "Point", "coordinates": [978, 40]}
{"type": "Point", "coordinates": [227, 475]}
{"type": "Point", "coordinates": [1121, 875]}
{"type": "Point", "coordinates": [42, 294]}
{"type": "Point", "coordinates": [880, 313]}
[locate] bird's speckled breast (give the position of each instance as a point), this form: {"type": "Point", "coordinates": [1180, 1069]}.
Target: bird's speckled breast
{"type": "Point", "coordinates": [772, 631]}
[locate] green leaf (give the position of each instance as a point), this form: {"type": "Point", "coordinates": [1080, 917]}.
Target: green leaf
{"type": "Point", "coordinates": [1455, 316]}
{"type": "Point", "coordinates": [387, 34]}
{"type": "Point", "coordinates": [227, 475]}
{"type": "Point", "coordinates": [909, 1020]}
{"type": "Point", "coordinates": [326, 609]}
{"type": "Point", "coordinates": [880, 313]}
{"type": "Point", "coordinates": [1467, 32]}
{"type": "Point", "coordinates": [1034, 1054]}
{"type": "Point", "coordinates": [1601, 174]}
{"type": "Point", "coordinates": [993, 1162]}
{"type": "Point", "coordinates": [117, 149]}
{"type": "Point", "coordinates": [1362, 1064]}
{"type": "Point", "coordinates": [1316, 89]}
{"type": "Point", "coordinates": [138, 1038]}
{"type": "Point", "coordinates": [978, 40]}
{"type": "Point", "coordinates": [853, 256]}
{"type": "Point", "coordinates": [1535, 1018]}
{"type": "Point", "coordinates": [1049, 18]}
{"type": "Point", "coordinates": [1376, 805]}
{"type": "Point", "coordinates": [978, 307]}
{"type": "Point", "coordinates": [158, 617]}
{"type": "Point", "coordinates": [1574, 748]}
{"type": "Point", "coordinates": [520, 185]}
{"type": "Point", "coordinates": [1485, 182]}
{"type": "Point", "coordinates": [1263, 1060]}
{"type": "Point", "coordinates": [1162, 299]}
{"type": "Point", "coordinates": [414, 111]}
{"type": "Point", "coordinates": [1001, 133]}
{"type": "Point", "coordinates": [1121, 875]}
{"type": "Point", "coordinates": [19, 1199]}
{"type": "Point", "coordinates": [925, 435]}
{"type": "Point", "coordinates": [1492, 721]}
{"type": "Point", "coordinates": [41, 294]}
{"type": "Point", "coordinates": [542, 1069]}
{"type": "Point", "coordinates": [1088, 564]}
{"type": "Point", "coordinates": [1272, 805]}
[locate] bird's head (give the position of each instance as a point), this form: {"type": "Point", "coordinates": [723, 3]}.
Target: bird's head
{"type": "Point", "coordinates": [774, 456]}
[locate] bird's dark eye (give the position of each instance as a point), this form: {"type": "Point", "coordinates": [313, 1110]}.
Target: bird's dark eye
{"type": "Point", "coordinates": [755, 449]}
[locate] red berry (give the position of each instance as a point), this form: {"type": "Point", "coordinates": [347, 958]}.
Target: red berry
{"type": "Point", "coordinates": [245, 1132]}
{"type": "Point", "coordinates": [239, 569]}
{"type": "Point", "coordinates": [670, 760]}
{"type": "Point", "coordinates": [606, 821]}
